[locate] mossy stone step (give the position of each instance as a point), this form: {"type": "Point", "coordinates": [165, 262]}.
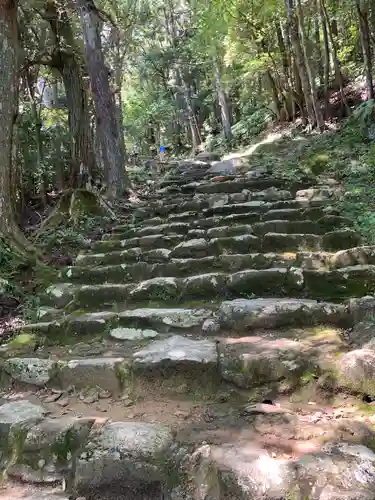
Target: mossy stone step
{"type": "Point", "coordinates": [198, 247]}
{"type": "Point", "coordinates": [138, 271]}
{"type": "Point", "coordinates": [122, 256]}
{"type": "Point", "coordinates": [151, 241]}
{"type": "Point", "coordinates": [322, 225]}
{"type": "Point", "coordinates": [350, 281]}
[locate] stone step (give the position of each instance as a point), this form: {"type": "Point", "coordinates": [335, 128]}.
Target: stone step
{"type": "Point", "coordinates": [203, 200]}
{"type": "Point", "coordinates": [293, 214]}
{"type": "Point", "coordinates": [191, 246]}
{"type": "Point", "coordinates": [293, 244]}
{"type": "Point", "coordinates": [320, 226]}
{"type": "Point", "coordinates": [353, 281]}
{"type": "Point", "coordinates": [142, 324]}
{"type": "Point", "coordinates": [127, 271]}
{"type": "Point", "coordinates": [243, 361]}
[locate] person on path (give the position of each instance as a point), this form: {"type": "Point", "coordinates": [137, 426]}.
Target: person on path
{"type": "Point", "coordinates": [161, 154]}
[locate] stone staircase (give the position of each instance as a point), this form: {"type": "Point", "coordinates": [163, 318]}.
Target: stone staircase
{"type": "Point", "coordinates": [219, 292]}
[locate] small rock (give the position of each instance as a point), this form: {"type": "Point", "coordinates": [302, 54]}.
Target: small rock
{"type": "Point", "coordinates": [51, 398]}
{"type": "Point", "coordinates": [104, 394]}
{"type": "Point", "coordinates": [63, 402]}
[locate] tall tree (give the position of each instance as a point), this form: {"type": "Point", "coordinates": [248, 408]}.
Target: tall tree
{"type": "Point", "coordinates": [105, 106]}
{"type": "Point", "coordinates": [9, 63]}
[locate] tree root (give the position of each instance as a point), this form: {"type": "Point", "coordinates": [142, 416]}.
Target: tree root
{"type": "Point", "coordinates": [73, 205]}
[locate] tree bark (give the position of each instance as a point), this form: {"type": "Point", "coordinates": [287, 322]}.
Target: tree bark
{"type": "Point", "coordinates": [9, 63]}
{"type": "Point", "coordinates": [223, 103]}
{"type": "Point", "coordinates": [309, 70]}
{"type": "Point", "coordinates": [68, 63]}
{"type": "Point", "coordinates": [299, 60]}
{"type": "Point", "coordinates": [104, 103]}
{"type": "Point", "coordinates": [325, 27]}
{"type": "Point", "coordinates": [336, 62]}
{"type": "Point", "coordinates": [364, 31]}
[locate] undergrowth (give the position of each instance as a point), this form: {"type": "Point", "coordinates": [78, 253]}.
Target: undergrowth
{"type": "Point", "coordinates": [346, 155]}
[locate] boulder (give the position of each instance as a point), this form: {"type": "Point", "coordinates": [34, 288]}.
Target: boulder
{"type": "Point", "coordinates": [123, 454]}
{"type": "Point", "coordinates": [224, 167]}
{"type": "Point", "coordinates": [242, 471]}
{"type": "Point", "coordinates": [356, 371]}
{"type": "Point", "coordinates": [208, 156]}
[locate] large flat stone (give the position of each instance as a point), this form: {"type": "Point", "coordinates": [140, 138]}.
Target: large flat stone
{"type": "Point", "coordinates": [110, 374]}
{"type": "Point", "coordinates": [177, 350]}
{"type": "Point", "coordinates": [275, 313]}
{"type": "Point", "coordinates": [165, 319]}
{"type": "Point", "coordinates": [124, 454]}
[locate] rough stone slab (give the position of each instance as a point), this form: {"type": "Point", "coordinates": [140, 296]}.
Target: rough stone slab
{"type": "Point", "coordinates": [352, 281]}
{"type": "Point", "coordinates": [156, 289]}
{"type": "Point", "coordinates": [122, 333]}
{"type": "Point", "coordinates": [91, 296]}
{"type": "Point", "coordinates": [254, 361]}
{"type": "Point", "coordinates": [191, 248]}
{"type": "Point", "coordinates": [266, 281]}
{"type": "Point", "coordinates": [61, 294]}
{"type": "Point", "coordinates": [72, 431]}
{"type": "Point", "coordinates": [107, 373]}
{"type": "Point", "coordinates": [276, 313]}
{"type": "Point", "coordinates": [125, 453]}
{"type": "Point", "coordinates": [284, 242]}
{"type": "Point", "coordinates": [176, 350]}
{"type": "Point", "coordinates": [225, 231]}
{"type": "Point", "coordinates": [19, 413]}
{"type": "Point", "coordinates": [204, 285]}
{"type": "Point", "coordinates": [166, 319]}
{"type": "Point", "coordinates": [35, 371]}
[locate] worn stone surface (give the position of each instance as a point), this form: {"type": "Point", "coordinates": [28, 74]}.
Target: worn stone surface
{"type": "Point", "coordinates": [273, 313]}
{"type": "Point", "coordinates": [253, 361]}
{"type": "Point", "coordinates": [107, 373]}
{"type": "Point", "coordinates": [124, 452]}
{"type": "Point", "coordinates": [19, 413]}
{"type": "Point", "coordinates": [177, 349]}
{"type": "Point", "coordinates": [165, 319]}
{"type": "Point", "coordinates": [122, 333]}
{"type": "Point", "coordinates": [33, 371]}
{"type": "Point", "coordinates": [356, 371]}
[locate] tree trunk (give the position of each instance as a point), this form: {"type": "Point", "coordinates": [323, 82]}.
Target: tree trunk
{"type": "Point", "coordinates": [82, 150]}
{"type": "Point", "coordinates": [193, 125]}
{"type": "Point", "coordinates": [9, 64]}
{"type": "Point", "coordinates": [309, 71]}
{"type": "Point", "coordinates": [325, 27]}
{"type": "Point", "coordinates": [364, 32]}
{"type": "Point", "coordinates": [223, 103]}
{"type": "Point", "coordinates": [336, 62]}
{"type": "Point", "coordinates": [68, 63]}
{"type": "Point", "coordinates": [104, 103]}
{"type": "Point", "coordinates": [299, 60]}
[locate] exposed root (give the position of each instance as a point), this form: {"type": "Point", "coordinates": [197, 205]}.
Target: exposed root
{"type": "Point", "coordinates": [73, 205]}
